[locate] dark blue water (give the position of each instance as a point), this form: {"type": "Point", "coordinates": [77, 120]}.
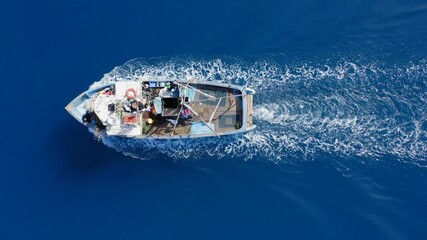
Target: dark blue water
{"type": "Point", "coordinates": [340, 151]}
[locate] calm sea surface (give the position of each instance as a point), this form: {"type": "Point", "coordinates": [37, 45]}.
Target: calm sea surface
{"type": "Point", "coordinates": [340, 151]}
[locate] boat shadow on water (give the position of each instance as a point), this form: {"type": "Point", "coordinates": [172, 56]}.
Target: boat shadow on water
{"type": "Point", "coordinates": [79, 150]}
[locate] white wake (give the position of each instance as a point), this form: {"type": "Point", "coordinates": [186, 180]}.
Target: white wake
{"type": "Point", "coordinates": [350, 108]}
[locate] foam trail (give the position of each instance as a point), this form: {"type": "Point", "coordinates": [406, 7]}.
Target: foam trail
{"type": "Point", "coordinates": [352, 108]}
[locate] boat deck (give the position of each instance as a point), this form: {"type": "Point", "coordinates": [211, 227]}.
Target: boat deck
{"type": "Point", "coordinates": [222, 115]}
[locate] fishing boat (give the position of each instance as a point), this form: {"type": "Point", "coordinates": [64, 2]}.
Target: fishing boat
{"type": "Point", "coordinates": [165, 109]}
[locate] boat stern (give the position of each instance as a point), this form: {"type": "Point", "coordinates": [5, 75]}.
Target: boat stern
{"type": "Point", "coordinates": [249, 109]}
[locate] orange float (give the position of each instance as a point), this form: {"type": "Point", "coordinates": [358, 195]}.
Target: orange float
{"type": "Point", "coordinates": [131, 93]}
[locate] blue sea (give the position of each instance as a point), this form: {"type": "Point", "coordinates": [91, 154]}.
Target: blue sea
{"type": "Point", "coordinates": [340, 151]}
